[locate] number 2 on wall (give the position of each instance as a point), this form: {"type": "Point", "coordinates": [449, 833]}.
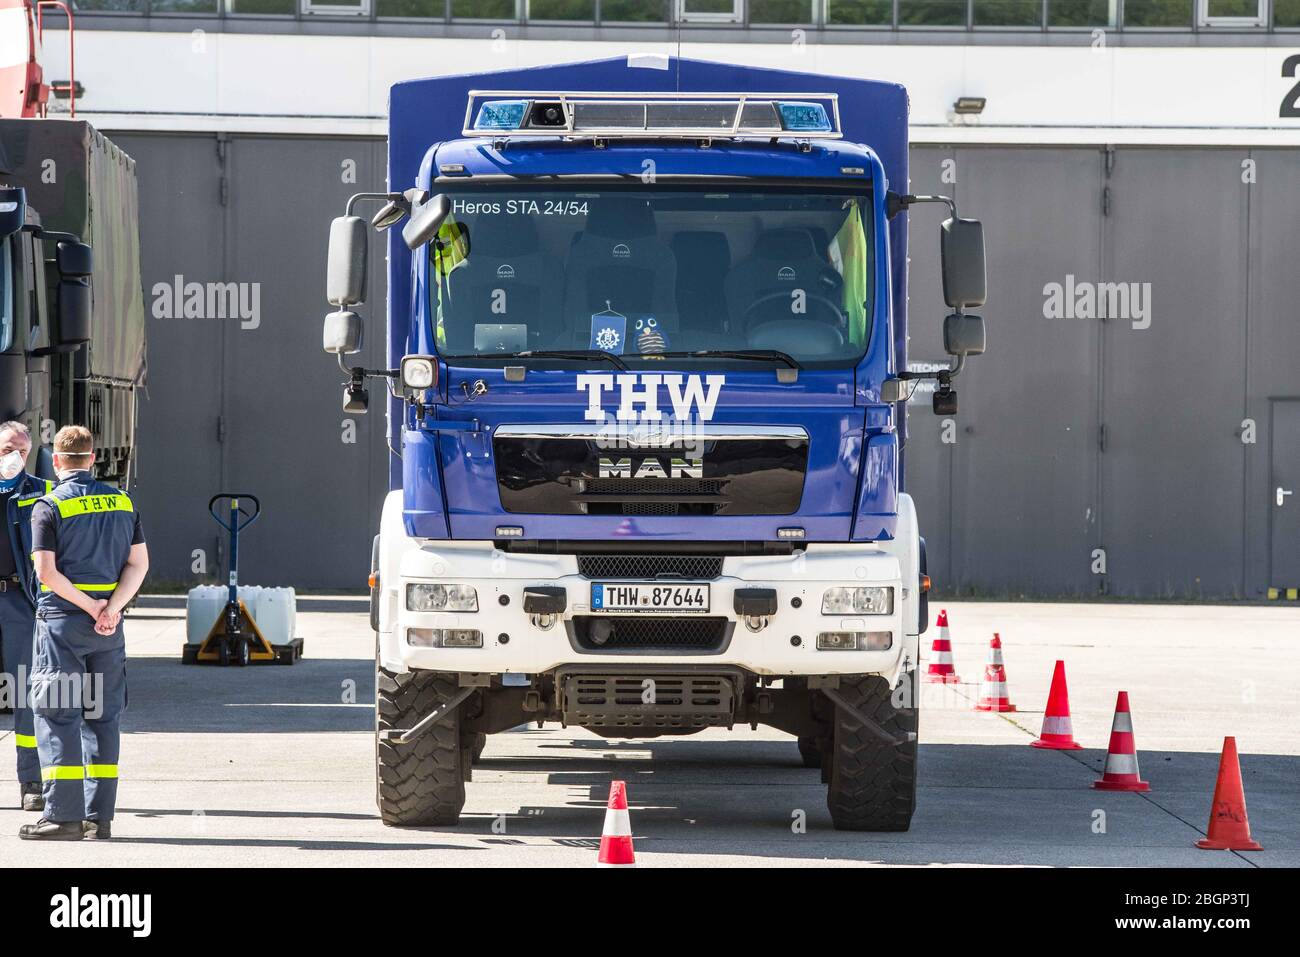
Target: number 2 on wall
{"type": "Point", "coordinates": [1291, 102]}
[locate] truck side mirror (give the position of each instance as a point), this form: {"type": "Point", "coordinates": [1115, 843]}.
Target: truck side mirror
{"type": "Point", "coordinates": [13, 209]}
{"type": "Point", "coordinates": [961, 248]}
{"type": "Point", "coordinates": [345, 277]}
{"type": "Point", "coordinates": [74, 313]}
{"type": "Point", "coordinates": [75, 260]}
{"type": "Point", "coordinates": [963, 335]}
{"type": "Point", "coordinates": [342, 334]}
{"type": "Point", "coordinates": [425, 221]}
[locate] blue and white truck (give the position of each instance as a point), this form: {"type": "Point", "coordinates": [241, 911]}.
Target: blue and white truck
{"type": "Point", "coordinates": [647, 394]}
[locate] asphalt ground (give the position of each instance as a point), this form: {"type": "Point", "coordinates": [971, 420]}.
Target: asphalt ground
{"type": "Point", "coordinates": [274, 765]}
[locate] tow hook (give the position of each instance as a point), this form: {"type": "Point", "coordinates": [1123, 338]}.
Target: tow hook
{"type": "Point", "coordinates": [870, 724]}
{"type": "Point", "coordinates": [544, 604]}
{"type": "Point", "coordinates": [755, 606]}
{"type": "Point", "coordinates": [395, 736]}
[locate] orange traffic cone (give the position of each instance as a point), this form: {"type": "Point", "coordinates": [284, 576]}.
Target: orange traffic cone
{"type": "Point", "coordinates": [616, 838]}
{"type": "Point", "coordinates": [941, 670]}
{"type": "Point", "coordinates": [1057, 732]}
{"type": "Point", "coordinates": [993, 689]}
{"type": "Point", "coordinates": [1121, 772]}
{"type": "Point", "coordinates": [1229, 828]}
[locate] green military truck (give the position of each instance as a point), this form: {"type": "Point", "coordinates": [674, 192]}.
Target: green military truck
{"type": "Point", "coordinates": [72, 348]}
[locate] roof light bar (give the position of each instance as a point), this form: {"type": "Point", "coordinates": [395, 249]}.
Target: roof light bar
{"type": "Point", "coordinates": [497, 113]}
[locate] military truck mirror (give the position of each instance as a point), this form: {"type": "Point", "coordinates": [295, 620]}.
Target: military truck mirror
{"type": "Point", "coordinates": [13, 209]}
{"type": "Point", "coordinates": [961, 249]}
{"type": "Point", "coordinates": [342, 335]}
{"type": "Point", "coordinates": [425, 221]}
{"type": "Point", "coordinates": [74, 313]}
{"type": "Point", "coordinates": [75, 260]}
{"type": "Point", "coordinates": [963, 335]}
{"type": "Point", "coordinates": [345, 277]}
{"type": "Point", "coordinates": [389, 214]}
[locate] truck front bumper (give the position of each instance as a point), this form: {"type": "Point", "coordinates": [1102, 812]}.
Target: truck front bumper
{"type": "Point", "coordinates": [513, 642]}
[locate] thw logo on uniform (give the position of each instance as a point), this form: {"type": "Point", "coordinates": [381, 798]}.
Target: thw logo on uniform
{"type": "Point", "coordinates": [691, 396]}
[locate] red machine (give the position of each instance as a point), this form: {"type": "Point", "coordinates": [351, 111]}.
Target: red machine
{"type": "Point", "coordinates": [23, 90]}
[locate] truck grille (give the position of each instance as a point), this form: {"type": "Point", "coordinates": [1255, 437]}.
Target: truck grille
{"type": "Point", "coordinates": [650, 567]}
{"type": "Point", "coordinates": [650, 633]}
{"type": "Point", "coordinates": [617, 488]}
{"type": "Point", "coordinates": [620, 701]}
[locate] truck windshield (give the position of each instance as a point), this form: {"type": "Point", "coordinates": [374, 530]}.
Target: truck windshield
{"type": "Point", "coordinates": [644, 270]}
{"type": "Point", "coordinates": [6, 295]}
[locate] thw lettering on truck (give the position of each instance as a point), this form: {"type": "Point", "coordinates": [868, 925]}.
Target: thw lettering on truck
{"type": "Point", "coordinates": [697, 398]}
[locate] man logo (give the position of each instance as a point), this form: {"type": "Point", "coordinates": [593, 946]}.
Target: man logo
{"type": "Point", "coordinates": [621, 251]}
{"type": "Point", "coordinates": [652, 468]}
{"type": "Point", "coordinates": [697, 400]}
{"type": "Point", "coordinates": [505, 271]}
{"type": "Point", "coordinates": [786, 274]}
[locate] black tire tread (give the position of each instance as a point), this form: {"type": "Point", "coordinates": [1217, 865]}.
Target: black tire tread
{"type": "Point", "coordinates": [872, 785]}
{"type": "Point", "coordinates": [810, 753]}
{"type": "Point", "coordinates": [420, 784]}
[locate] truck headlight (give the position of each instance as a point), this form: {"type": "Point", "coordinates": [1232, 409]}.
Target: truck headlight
{"type": "Point", "coordinates": [419, 372]}
{"type": "Point", "coordinates": [858, 600]}
{"type": "Point", "coordinates": [855, 641]}
{"type": "Point", "coordinates": [444, 638]}
{"type": "Point", "coordinates": [428, 597]}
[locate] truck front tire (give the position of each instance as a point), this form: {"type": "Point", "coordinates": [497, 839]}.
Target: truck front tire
{"type": "Point", "coordinates": [420, 784]}
{"type": "Point", "coordinates": [872, 785]}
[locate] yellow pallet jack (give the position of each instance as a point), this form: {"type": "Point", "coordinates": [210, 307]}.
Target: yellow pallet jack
{"type": "Point", "coordinates": [234, 638]}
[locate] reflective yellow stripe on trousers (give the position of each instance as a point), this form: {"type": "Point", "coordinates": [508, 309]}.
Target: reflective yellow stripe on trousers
{"type": "Point", "coordinates": [25, 740]}
{"type": "Point", "coordinates": [63, 772]}
{"type": "Point", "coordinates": [76, 772]}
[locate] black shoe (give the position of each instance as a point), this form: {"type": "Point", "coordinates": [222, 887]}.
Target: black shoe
{"type": "Point", "coordinates": [44, 830]}
{"type": "Point", "coordinates": [33, 799]}
{"type": "Point", "coordinates": [97, 830]}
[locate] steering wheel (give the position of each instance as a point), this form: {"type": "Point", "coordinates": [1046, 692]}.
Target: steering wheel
{"type": "Point", "coordinates": [837, 318]}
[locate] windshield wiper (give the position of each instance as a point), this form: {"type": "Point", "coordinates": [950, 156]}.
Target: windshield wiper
{"type": "Point", "coordinates": [577, 355]}
{"type": "Point", "coordinates": [758, 355]}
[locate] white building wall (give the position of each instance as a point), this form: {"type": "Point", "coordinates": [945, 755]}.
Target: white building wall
{"type": "Point", "coordinates": [339, 84]}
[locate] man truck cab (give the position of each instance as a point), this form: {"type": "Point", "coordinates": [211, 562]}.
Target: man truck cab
{"type": "Point", "coordinates": [649, 382]}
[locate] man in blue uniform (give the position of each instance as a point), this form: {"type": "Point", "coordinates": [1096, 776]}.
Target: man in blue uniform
{"type": "Point", "coordinates": [18, 493]}
{"type": "Point", "coordinates": [91, 559]}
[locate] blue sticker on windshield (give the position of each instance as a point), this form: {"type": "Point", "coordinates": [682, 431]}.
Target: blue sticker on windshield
{"type": "Point", "coordinates": [608, 331]}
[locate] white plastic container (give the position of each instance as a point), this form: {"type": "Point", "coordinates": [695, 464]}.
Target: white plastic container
{"type": "Point", "coordinates": [202, 607]}
{"type": "Point", "coordinates": [276, 612]}
{"type": "Point", "coordinates": [274, 609]}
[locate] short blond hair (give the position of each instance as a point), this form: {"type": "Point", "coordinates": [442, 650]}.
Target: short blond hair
{"type": "Point", "coordinates": [74, 441]}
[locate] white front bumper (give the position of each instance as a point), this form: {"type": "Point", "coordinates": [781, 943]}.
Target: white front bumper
{"type": "Point", "coordinates": [513, 644]}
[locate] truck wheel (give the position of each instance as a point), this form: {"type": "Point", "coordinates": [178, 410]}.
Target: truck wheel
{"type": "Point", "coordinates": [477, 742]}
{"type": "Point", "coordinates": [872, 784]}
{"type": "Point", "coordinates": [808, 750]}
{"type": "Point", "coordinates": [421, 783]}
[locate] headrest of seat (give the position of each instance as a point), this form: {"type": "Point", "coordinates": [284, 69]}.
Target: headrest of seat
{"type": "Point", "coordinates": [785, 244]}
{"type": "Point", "coordinates": [620, 217]}
{"type": "Point", "coordinates": [499, 236]}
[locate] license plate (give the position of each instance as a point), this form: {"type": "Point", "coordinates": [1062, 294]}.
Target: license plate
{"type": "Point", "coordinates": [629, 597]}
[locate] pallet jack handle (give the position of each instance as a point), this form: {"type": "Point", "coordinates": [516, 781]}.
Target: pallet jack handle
{"type": "Point", "coordinates": [235, 521]}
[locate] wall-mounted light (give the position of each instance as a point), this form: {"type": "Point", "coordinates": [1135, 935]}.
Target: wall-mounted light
{"type": "Point", "coordinates": [969, 105]}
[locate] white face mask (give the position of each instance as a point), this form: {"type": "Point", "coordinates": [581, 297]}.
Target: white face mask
{"type": "Point", "coordinates": [11, 465]}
